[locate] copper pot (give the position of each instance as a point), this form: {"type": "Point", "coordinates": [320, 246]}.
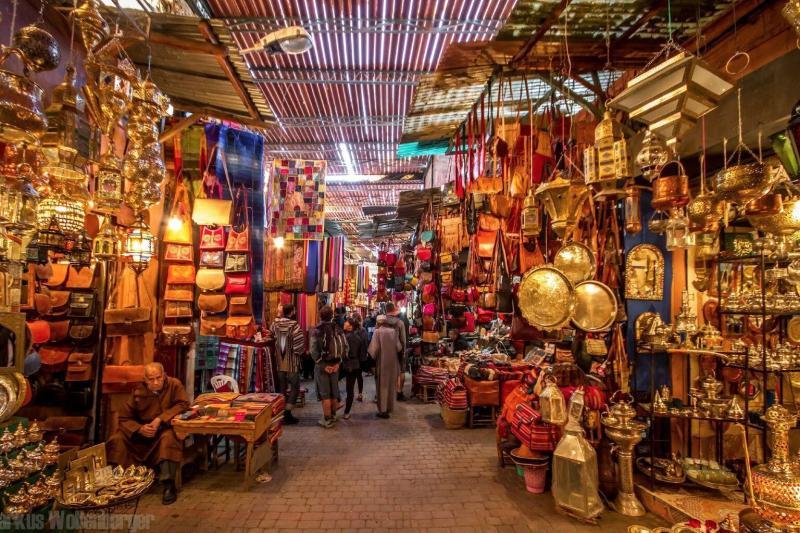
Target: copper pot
{"type": "Point", "coordinates": [22, 119]}
{"type": "Point", "coordinates": [769, 204]}
{"type": "Point", "coordinates": [671, 191]}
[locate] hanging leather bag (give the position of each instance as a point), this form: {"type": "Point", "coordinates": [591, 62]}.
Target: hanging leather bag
{"type": "Point", "coordinates": [237, 284]}
{"type": "Point", "coordinates": [213, 210]}
{"type": "Point", "coordinates": [180, 275]}
{"type": "Point", "coordinates": [212, 258]}
{"type": "Point", "coordinates": [127, 321]}
{"type": "Point", "coordinates": [212, 238]}
{"type": "Point", "coordinates": [212, 325]}
{"type": "Point", "coordinates": [183, 253]}
{"type": "Point", "coordinates": [240, 327]}
{"type": "Point", "coordinates": [179, 233]}
{"type": "Point", "coordinates": [121, 379]}
{"type": "Point", "coordinates": [212, 303]}
{"type": "Point", "coordinates": [80, 279]}
{"type": "Point", "coordinates": [210, 279]}
{"type": "Point", "coordinates": [81, 305]}
{"type": "Point", "coordinates": [239, 236]}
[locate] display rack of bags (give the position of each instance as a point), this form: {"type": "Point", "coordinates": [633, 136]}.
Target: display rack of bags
{"type": "Point", "coordinates": [177, 327]}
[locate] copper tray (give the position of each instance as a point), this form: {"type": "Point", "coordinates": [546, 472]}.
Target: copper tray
{"type": "Point", "coordinates": [576, 261]}
{"type": "Point", "coordinates": [595, 306]}
{"type": "Point", "coordinates": [546, 298]}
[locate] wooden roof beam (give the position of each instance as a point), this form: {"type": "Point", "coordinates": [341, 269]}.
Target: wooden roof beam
{"type": "Point", "coordinates": [540, 32]}
{"type": "Point", "coordinates": [210, 111]}
{"type": "Point", "coordinates": [657, 6]}
{"type": "Point", "coordinates": [227, 67]}
{"type": "Point", "coordinates": [723, 25]}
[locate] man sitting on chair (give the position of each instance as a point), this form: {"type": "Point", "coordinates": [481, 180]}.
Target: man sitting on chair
{"type": "Point", "coordinates": [145, 434]}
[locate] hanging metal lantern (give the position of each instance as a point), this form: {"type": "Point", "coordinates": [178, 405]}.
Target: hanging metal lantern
{"type": "Point", "coordinates": [80, 255]}
{"type": "Point", "coordinates": [69, 214]}
{"type": "Point", "coordinates": [791, 12]}
{"type": "Point", "coordinates": [531, 219]}
{"type": "Point", "coordinates": [562, 201]}
{"type": "Point", "coordinates": [90, 22]}
{"type": "Point", "coordinates": [51, 237]}
{"type": "Point", "coordinates": [633, 209]}
{"type": "Point", "coordinates": [109, 186]}
{"type": "Point", "coordinates": [607, 164]}
{"type": "Point", "coordinates": [673, 95]}
{"type": "Point", "coordinates": [107, 243]}
{"type": "Point", "coordinates": [140, 246]}
{"type": "Point", "coordinates": [34, 253]}
{"type": "Point", "coordinates": [575, 481]}
{"type": "Point", "coordinates": [653, 154]}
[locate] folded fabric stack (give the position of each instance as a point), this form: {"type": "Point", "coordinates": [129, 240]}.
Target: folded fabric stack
{"type": "Point", "coordinates": [216, 397]}
{"type": "Point", "coordinates": [452, 394]}
{"type": "Point", "coordinates": [276, 426]}
{"type": "Point", "coordinates": [430, 375]}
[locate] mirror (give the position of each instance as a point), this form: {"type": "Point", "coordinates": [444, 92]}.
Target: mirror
{"type": "Point", "coordinates": [644, 273]}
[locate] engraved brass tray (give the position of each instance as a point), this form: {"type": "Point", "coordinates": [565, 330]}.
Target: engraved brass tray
{"type": "Point", "coordinates": [546, 298]}
{"type": "Point", "coordinates": [595, 306]}
{"type": "Point", "coordinates": [576, 261]}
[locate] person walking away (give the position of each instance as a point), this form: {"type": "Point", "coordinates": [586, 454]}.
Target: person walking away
{"type": "Point", "coordinates": [328, 347]}
{"type": "Point", "coordinates": [364, 357]}
{"type": "Point", "coordinates": [393, 319]}
{"type": "Point", "coordinates": [352, 363]}
{"type": "Point", "coordinates": [290, 344]}
{"type": "Point", "coordinates": [383, 348]}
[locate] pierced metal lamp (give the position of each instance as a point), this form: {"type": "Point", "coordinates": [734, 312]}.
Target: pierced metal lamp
{"type": "Point", "coordinates": [140, 246]}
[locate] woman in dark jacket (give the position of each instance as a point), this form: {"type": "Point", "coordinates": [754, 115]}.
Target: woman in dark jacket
{"type": "Point", "coordinates": [357, 350]}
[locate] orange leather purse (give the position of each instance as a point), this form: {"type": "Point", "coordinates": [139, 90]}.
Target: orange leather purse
{"type": "Point", "coordinates": [180, 274]}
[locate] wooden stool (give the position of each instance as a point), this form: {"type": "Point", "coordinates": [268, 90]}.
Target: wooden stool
{"type": "Point", "coordinates": [476, 418]}
{"type": "Point", "coordinates": [427, 392]}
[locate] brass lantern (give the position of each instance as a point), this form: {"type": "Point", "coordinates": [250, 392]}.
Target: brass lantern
{"type": "Point", "coordinates": [673, 95]}
{"type": "Point", "coordinates": [652, 155]}
{"type": "Point", "coordinates": [50, 237]}
{"type": "Point", "coordinates": [106, 244]}
{"type": "Point", "coordinates": [531, 219]}
{"type": "Point", "coordinates": [575, 481]}
{"type": "Point", "coordinates": [69, 214]}
{"type": "Point", "coordinates": [109, 186]}
{"type": "Point", "coordinates": [551, 403]}
{"type": "Point", "coordinates": [92, 25]}
{"type": "Point", "coordinates": [633, 209]}
{"type": "Point", "coordinates": [80, 255]}
{"type": "Point", "coordinates": [562, 201]}
{"type": "Point", "coordinates": [140, 246]}
{"type": "Point", "coordinates": [607, 164]}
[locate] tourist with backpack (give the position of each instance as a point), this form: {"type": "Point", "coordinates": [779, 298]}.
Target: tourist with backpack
{"type": "Point", "coordinates": [384, 348]}
{"type": "Point", "coordinates": [328, 347]}
{"type": "Point", "coordinates": [290, 345]}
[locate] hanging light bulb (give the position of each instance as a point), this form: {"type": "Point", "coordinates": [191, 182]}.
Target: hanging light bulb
{"type": "Point", "coordinates": [279, 242]}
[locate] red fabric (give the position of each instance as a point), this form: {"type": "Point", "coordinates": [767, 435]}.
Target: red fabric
{"type": "Point", "coordinates": [507, 387]}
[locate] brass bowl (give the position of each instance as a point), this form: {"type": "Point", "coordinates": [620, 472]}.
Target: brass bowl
{"type": "Point", "coordinates": [546, 284]}
{"type": "Point", "coordinates": [705, 209]}
{"type": "Point", "coordinates": [743, 183]}
{"type": "Point", "coordinates": [784, 223]}
{"type": "Point", "coordinates": [595, 306]}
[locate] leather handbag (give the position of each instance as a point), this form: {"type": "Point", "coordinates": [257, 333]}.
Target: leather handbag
{"type": "Point", "coordinates": [240, 306]}
{"type": "Point", "coordinates": [180, 274]}
{"type": "Point", "coordinates": [59, 330]}
{"type": "Point", "coordinates": [482, 393]}
{"type": "Point", "coordinates": [237, 284]}
{"type": "Point", "coordinates": [177, 309]}
{"type": "Point", "coordinates": [210, 279]}
{"type": "Point", "coordinates": [240, 327]}
{"type": "Point", "coordinates": [43, 302]}
{"type": "Point", "coordinates": [486, 241]}
{"type": "Point", "coordinates": [502, 288]}
{"type": "Point", "coordinates": [80, 279]}
{"type": "Point", "coordinates": [58, 276]}
{"type": "Point", "coordinates": [81, 331]}
{"type": "Point", "coordinates": [122, 378]}
{"type": "Point", "coordinates": [44, 272]}
{"type": "Point", "coordinates": [488, 300]}
{"type": "Point", "coordinates": [54, 358]}
{"type": "Point", "coordinates": [424, 253]}
{"type": "Point", "coordinates": [239, 236]}
{"type": "Point", "coordinates": [176, 335]}
{"type": "Point", "coordinates": [213, 210]}
{"type": "Point", "coordinates": [213, 326]}
{"type": "Point", "coordinates": [79, 366]}
{"type": "Point", "coordinates": [212, 238]}
{"type": "Point", "coordinates": [179, 229]}
{"type": "Point", "coordinates": [179, 253]}
{"type": "Point", "coordinates": [237, 262]}
{"type": "Point", "coordinates": [212, 303]}
{"type": "Point", "coordinates": [127, 321]}
{"type": "Point", "coordinates": [40, 331]}
{"type": "Point", "coordinates": [484, 316]}
{"type": "Point", "coordinates": [179, 293]}
{"type": "Point", "coordinates": [212, 258]}
{"type": "Point", "coordinates": [522, 331]}
{"type": "Point", "coordinates": [81, 305]}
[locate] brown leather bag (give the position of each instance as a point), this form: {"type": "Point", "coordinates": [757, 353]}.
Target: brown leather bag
{"type": "Point", "coordinates": [80, 279]}
{"type": "Point", "coordinates": [212, 302]}
{"type": "Point", "coordinates": [177, 309]}
{"type": "Point", "coordinates": [59, 275]}
{"type": "Point", "coordinates": [180, 274]}
{"type": "Point", "coordinates": [240, 306]}
{"type": "Point", "coordinates": [81, 331]}
{"type": "Point", "coordinates": [122, 378]}
{"type": "Point", "coordinates": [210, 279]}
{"type": "Point", "coordinates": [43, 302]}
{"type": "Point", "coordinates": [40, 331]}
{"type": "Point", "coordinates": [59, 303]}
{"type": "Point", "coordinates": [127, 320]}
{"type": "Point", "coordinates": [79, 366]}
{"type": "Point", "coordinates": [54, 357]}
{"type": "Point", "coordinates": [176, 335]}
{"type": "Point", "coordinates": [482, 392]}
{"type": "Point", "coordinates": [212, 326]}
{"type": "Point", "coordinates": [59, 330]}
{"type": "Point", "coordinates": [179, 293]}
{"type": "Point", "coordinates": [240, 327]}
{"type": "Point", "coordinates": [522, 331]}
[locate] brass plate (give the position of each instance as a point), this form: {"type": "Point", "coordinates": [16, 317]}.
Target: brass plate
{"type": "Point", "coordinates": [644, 273]}
{"type": "Point", "coordinates": [546, 298]}
{"type": "Point", "coordinates": [595, 306]}
{"type": "Point", "coordinates": [576, 261]}
{"type": "Point", "coordinates": [793, 330]}
{"type": "Point", "coordinates": [12, 393]}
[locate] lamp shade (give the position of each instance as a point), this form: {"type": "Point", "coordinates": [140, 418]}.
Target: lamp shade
{"type": "Point", "coordinates": [140, 245]}
{"type": "Point", "coordinates": [673, 95]}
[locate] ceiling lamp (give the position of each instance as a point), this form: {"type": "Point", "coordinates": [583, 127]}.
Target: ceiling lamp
{"type": "Point", "coordinates": [140, 246]}
{"type": "Point", "coordinates": [68, 214]}
{"type": "Point", "coordinates": [673, 95]}
{"type": "Point", "coordinates": [292, 40]}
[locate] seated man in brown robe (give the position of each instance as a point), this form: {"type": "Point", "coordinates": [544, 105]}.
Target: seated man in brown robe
{"type": "Point", "coordinates": [145, 434]}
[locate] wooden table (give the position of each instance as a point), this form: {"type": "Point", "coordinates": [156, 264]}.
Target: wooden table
{"type": "Point", "coordinates": [251, 431]}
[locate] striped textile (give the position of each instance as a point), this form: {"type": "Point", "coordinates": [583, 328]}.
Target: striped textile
{"type": "Point", "coordinates": [290, 343]}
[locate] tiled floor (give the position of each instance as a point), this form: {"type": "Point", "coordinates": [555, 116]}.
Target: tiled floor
{"type": "Point", "coordinates": [370, 474]}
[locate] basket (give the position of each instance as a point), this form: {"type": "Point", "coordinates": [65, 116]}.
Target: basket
{"type": "Point", "coordinates": [454, 418]}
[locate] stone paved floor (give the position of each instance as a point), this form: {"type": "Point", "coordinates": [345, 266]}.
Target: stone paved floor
{"type": "Point", "coordinates": [369, 474]}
